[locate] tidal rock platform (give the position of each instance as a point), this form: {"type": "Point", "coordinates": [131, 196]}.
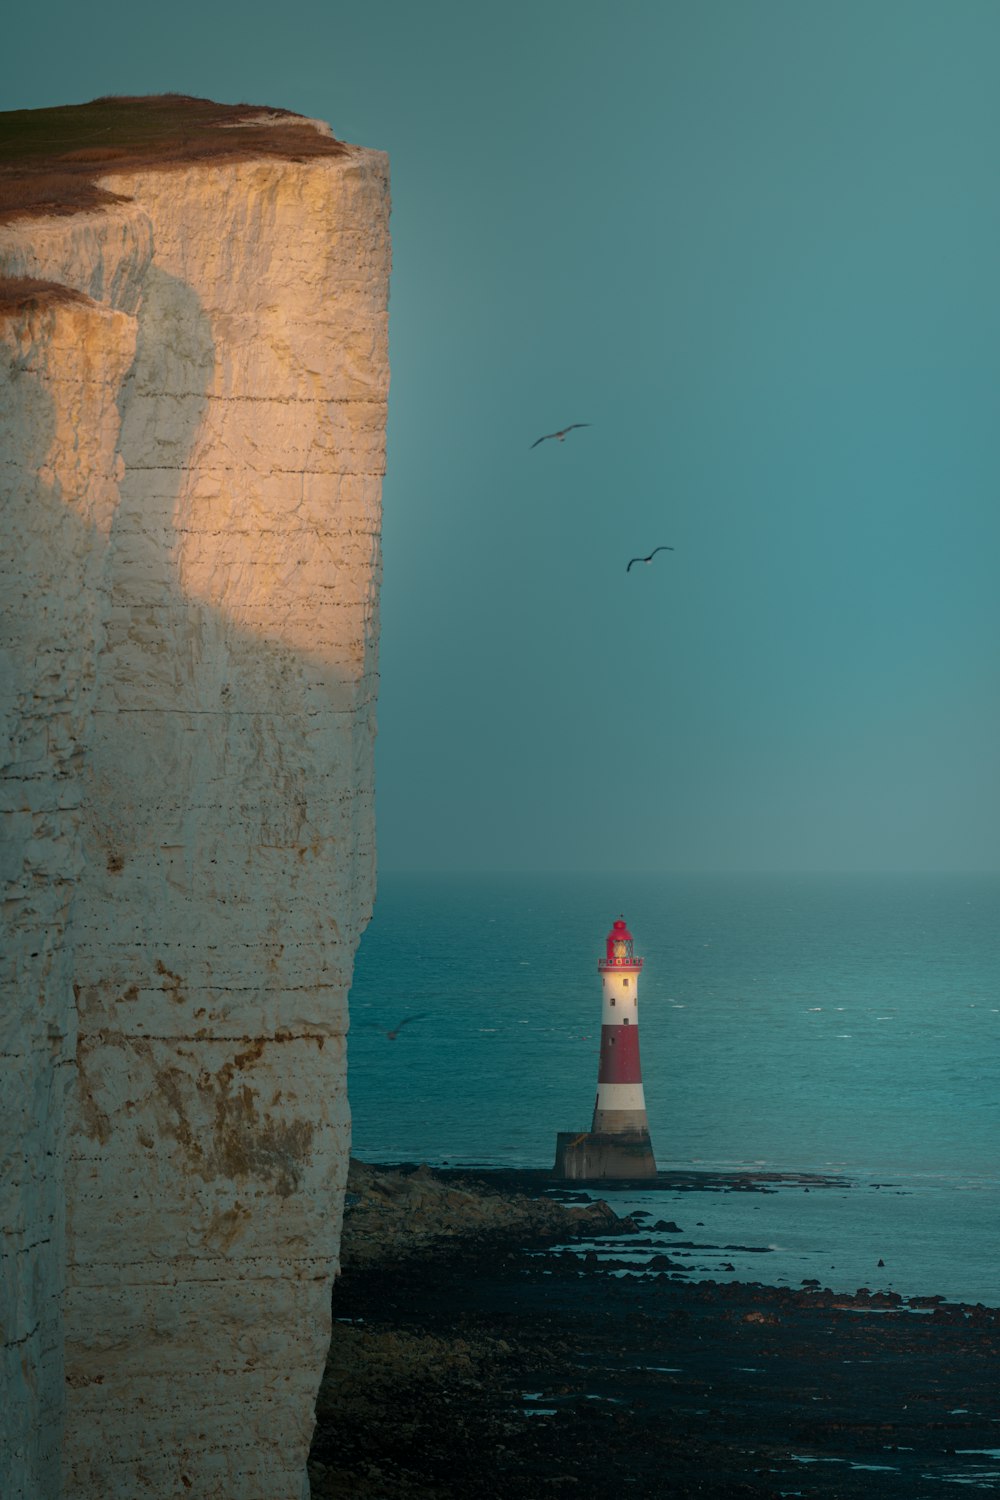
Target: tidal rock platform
{"type": "Point", "coordinates": [502, 1363]}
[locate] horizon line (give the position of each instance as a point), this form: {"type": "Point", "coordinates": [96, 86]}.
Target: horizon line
{"type": "Point", "coordinates": [676, 870]}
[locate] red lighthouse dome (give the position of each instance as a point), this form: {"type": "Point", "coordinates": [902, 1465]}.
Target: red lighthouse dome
{"type": "Point", "coordinates": [618, 950]}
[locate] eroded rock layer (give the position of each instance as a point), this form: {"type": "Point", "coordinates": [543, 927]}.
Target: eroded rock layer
{"type": "Point", "coordinates": [192, 455]}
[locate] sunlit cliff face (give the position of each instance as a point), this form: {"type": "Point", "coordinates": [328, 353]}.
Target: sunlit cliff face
{"type": "Point", "coordinates": [196, 452]}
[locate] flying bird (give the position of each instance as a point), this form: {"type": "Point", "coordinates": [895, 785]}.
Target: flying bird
{"type": "Point", "coordinates": [561, 434]}
{"type": "Point", "coordinates": [392, 1035]}
{"type": "Point", "coordinates": [650, 557]}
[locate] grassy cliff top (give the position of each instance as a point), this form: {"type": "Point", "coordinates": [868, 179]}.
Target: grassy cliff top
{"type": "Point", "coordinates": [50, 158]}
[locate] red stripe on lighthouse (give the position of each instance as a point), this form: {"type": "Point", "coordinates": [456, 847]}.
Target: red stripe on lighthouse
{"type": "Point", "coordinates": [619, 1055]}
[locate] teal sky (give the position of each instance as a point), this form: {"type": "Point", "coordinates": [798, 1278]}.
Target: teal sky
{"type": "Point", "coordinates": [754, 243]}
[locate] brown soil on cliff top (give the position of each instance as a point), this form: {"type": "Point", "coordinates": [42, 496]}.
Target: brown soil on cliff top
{"type": "Point", "coordinates": [50, 159]}
{"type": "Point", "coordinates": [21, 291]}
{"type": "Point", "coordinates": [468, 1366]}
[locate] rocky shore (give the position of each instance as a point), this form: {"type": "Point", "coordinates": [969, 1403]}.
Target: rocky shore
{"type": "Point", "coordinates": [475, 1353]}
{"type": "Point", "coordinates": [393, 1215]}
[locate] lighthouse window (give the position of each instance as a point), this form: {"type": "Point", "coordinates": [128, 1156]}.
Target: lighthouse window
{"type": "Point", "coordinates": [625, 982]}
{"type": "Point", "coordinates": [626, 1020]}
{"type": "Point", "coordinates": [612, 999]}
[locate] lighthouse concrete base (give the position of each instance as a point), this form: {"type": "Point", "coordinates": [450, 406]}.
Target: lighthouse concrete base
{"type": "Point", "coordinates": [593, 1155]}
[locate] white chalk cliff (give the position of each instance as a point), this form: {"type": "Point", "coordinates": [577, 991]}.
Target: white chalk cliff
{"type": "Point", "coordinates": [191, 455]}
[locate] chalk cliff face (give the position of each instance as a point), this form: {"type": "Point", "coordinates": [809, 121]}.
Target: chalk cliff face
{"type": "Point", "coordinates": [192, 454]}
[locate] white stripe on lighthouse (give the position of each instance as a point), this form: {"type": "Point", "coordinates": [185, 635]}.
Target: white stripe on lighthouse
{"type": "Point", "coordinates": [620, 1096]}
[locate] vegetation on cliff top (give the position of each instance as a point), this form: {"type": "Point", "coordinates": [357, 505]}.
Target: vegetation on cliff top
{"type": "Point", "coordinates": [51, 159]}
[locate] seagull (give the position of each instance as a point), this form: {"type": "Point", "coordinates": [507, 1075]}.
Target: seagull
{"type": "Point", "coordinates": [392, 1035]}
{"type": "Point", "coordinates": [650, 557]}
{"type": "Point", "coordinates": [561, 434]}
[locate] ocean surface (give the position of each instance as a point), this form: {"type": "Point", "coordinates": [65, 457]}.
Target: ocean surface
{"type": "Point", "coordinates": [841, 1025]}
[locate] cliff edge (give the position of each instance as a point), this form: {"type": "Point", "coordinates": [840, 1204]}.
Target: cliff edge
{"type": "Point", "coordinates": [193, 389]}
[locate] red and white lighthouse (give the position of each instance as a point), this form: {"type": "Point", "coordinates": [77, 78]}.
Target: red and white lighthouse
{"type": "Point", "coordinates": [617, 1144]}
{"type": "Point", "coordinates": [620, 1105]}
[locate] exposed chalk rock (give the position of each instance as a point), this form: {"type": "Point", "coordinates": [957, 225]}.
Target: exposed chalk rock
{"type": "Point", "coordinates": [190, 466]}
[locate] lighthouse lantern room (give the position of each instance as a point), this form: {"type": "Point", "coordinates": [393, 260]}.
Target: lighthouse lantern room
{"type": "Point", "coordinates": [617, 1144]}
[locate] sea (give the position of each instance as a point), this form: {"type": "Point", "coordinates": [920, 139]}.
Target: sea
{"type": "Point", "coordinates": [839, 1031]}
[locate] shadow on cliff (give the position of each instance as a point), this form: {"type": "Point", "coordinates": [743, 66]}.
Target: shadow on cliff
{"type": "Point", "coordinates": [38, 1022]}
{"type": "Point", "coordinates": [200, 793]}
{"type": "Point", "coordinates": [214, 767]}
{"type": "Point", "coordinates": [155, 643]}
{"type": "Point", "coordinates": [227, 873]}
